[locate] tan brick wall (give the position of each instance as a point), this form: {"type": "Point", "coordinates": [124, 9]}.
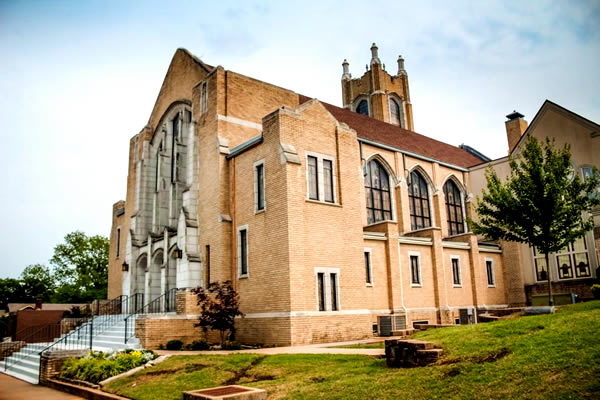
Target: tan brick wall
{"type": "Point", "coordinates": [330, 328]}
{"type": "Point", "coordinates": [51, 363]}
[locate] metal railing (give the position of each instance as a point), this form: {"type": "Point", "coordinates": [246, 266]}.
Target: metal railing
{"type": "Point", "coordinates": [111, 313]}
{"type": "Point", "coordinates": [41, 334]}
{"type": "Point", "coordinates": [162, 304]}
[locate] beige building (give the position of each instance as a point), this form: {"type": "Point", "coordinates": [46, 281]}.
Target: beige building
{"type": "Point", "coordinates": [573, 269]}
{"type": "Point", "coordinates": [332, 223]}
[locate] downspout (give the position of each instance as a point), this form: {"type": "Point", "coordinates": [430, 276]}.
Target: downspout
{"type": "Point", "coordinates": [401, 174]}
{"type": "Point", "coordinates": [233, 222]}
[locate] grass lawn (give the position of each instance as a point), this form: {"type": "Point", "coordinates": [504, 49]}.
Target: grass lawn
{"type": "Point", "coordinates": [541, 357]}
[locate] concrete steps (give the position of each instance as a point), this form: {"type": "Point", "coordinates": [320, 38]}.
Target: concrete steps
{"type": "Point", "coordinates": [25, 363]}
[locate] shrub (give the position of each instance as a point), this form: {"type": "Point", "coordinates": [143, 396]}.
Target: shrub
{"type": "Point", "coordinates": [97, 366]}
{"type": "Point", "coordinates": [596, 290]}
{"type": "Point", "coordinates": [231, 346]}
{"type": "Point", "coordinates": [174, 344]}
{"type": "Point", "coordinates": [200, 345]}
{"type": "Point", "coordinates": [161, 346]}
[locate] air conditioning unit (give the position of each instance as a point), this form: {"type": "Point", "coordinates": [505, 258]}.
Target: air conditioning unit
{"type": "Point", "coordinates": [466, 316]}
{"type": "Point", "coordinates": [390, 323]}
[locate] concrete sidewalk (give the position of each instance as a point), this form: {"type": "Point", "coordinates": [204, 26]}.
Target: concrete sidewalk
{"type": "Point", "coordinates": [16, 389]}
{"type": "Point", "coordinates": [321, 348]}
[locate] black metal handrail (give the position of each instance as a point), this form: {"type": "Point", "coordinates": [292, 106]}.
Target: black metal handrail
{"type": "Point", "coordinates": [43, 333]}
{"type": "Point", "coordinates": [162, 304]}
{"type": "Point", "coordinates": [112, 313]}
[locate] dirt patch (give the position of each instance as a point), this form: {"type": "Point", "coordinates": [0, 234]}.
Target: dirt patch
{"type": "Point", "coordinates": [243, 373]}
{"type": "Point", "coordinates": [316, 379]}
{"type": "Point", "coordinates": [187, 368]}
{"type": "Point", "coordinates": [491, 357]}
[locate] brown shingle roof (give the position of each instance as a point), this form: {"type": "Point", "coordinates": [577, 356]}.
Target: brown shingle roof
{"type": "Point", "coordinates": [399, 138]}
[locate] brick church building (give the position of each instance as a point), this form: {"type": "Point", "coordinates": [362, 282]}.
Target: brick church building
{"type": "Point", "coordinates": [332, 222]}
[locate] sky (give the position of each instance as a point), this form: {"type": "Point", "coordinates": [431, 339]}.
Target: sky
{"type": "Point", "coordinates": [79, 78]}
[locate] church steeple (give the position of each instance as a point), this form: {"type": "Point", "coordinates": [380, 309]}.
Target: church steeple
{"type": "Point", "coordinates": [377, 93]}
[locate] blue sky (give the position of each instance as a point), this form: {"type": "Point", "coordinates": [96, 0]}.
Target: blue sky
{"type": "Point", "coordinates": [79, 78]}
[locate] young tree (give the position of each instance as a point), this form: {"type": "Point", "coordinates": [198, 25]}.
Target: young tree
{"type": "Point", "coordinates": [543, 203]}
{"type": "Point", "coordinates": [81, 268]}
{"type": "Point", "coordinates": [220, 305]}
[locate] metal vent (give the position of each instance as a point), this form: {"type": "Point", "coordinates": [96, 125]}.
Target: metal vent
{"type": "Point", "coordinates": [399, 322]}
{"type": "Point", "coordinates": [385, 325]}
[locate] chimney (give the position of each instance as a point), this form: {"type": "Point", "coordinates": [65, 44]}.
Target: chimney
{"type": "Point", "coordinates": [374, 56]}
{"type": "Point", "coordinates": [38, 303]}
{"type": "Point", "coordinates": [346, 75]}
{"type": "Point", "coordinates": [515, 128]}
{"type": "Point", "coordinates": [401, 70]}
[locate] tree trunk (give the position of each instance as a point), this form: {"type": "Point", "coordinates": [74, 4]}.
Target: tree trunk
{"type": "Point", "coordinates": [550, 300]}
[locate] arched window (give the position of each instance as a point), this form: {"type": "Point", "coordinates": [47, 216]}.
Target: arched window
{"type": "Point", "coordinates": [363, 107]}
{"type": "Point", "coordinates": [454, 208]}
{"type": "Point", "coordinates": [377, 191]}
{"type": "Point", "coordinates": [395, 115]}
{"type": "Point", "coordinates": [418, 200]}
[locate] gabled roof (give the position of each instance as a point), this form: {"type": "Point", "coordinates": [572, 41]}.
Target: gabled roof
{"type": "Point", "coordinates": [400, 138]}
{"type": "Point", "coordinates": [549, 105]}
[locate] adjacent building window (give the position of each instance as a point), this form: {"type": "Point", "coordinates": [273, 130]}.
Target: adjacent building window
{"type": "Point", "coordinates": [489, 267]}
{"type": "Point", "coordinates": [418, 201]}
{"type": "Point", "coordinates": [368, 267]}
{"type": "Point", "coordinates": [259, 186]}
{"type": "Point", "coordinates": [243, 251]}
{"type": "Point", "coordinates": [328, 287]}
{"type": "Point", "coordinates": [377, 192]}
{"type": "Point", "coordinates": [587, 173]}
{"type": "Point", "coordinates": [395, 113]}
{"type": "Point", "coordinates": [320, 178]}
{"type": "Point", "coordinates": [456, 276]}
{"type": "Point", "coordinates": [415, 270]}
{"type": "Point", "coordinates": [454, 210]}
{"type": "Point", "coordinates": [573, 261]}
{"type": "Point", "coordinates": [363, 107]}
{"type": "Point", "coordinates": [203, 98]}
{"type": "Point", "coordinates": [118, 242]}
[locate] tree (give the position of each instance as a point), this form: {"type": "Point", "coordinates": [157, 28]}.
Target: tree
{"type": "Point", "coordinates": [543, 203]}
{"type": "Point", "coordinates": [11, 290]}
{"type": "Point", "coordinates": [81, 268]}
{"type": "Point", "coordinates": [37, 281]}
{"type": "Point", "coordinates": [220, 305]}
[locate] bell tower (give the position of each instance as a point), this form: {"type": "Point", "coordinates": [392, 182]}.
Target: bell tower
{"type": "Point", "coordinates": [377, 93]}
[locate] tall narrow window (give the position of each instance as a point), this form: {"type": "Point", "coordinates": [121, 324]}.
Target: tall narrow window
{"type": "Point", "coordinates": [334, 299]}
{"type": "Point", "coordinates": [157, 176]}
{"type": "Point", "coordinates": [368, 272]}
{"type": "Point", "coordinates": [207, 266]}
{"type": "Point", "coordinates": [174, 137]}
{"type": "Point", "coordinates": [203, 98]}
{"type": "Point", "coordinates": [363, 107]}
{"type": "Point", "coordinates": [243, 252]}
{"type": "Point", "coordinates": [377, 192]}
{"type": "Point", "coordinates": [395, 115]}
{"type": "Point", "coordinates": [415, 270]}
{"type": "Point", "coordinates": [328, 180]}
{"type": "Point", "coordinates": [541, 269]}
{"type": "Point", "coordinates": [118, 241]}
{"type": "Point", "coordinates": [321, 290]}
{"type": "Point", "coordinates": [313, 179]}
{"type": "Point", "coordinates": [456, 281]}
{"type": "Point", "coordinates": [177, 166]}
{"type": "Point", "coordinates": [491, 279]}
{"type": "Point", "coordinates": [418, 201]}
{"type": "Point", "coordinates": [259, 176]}
{"type": "Point", "coordinates": [454, 208]}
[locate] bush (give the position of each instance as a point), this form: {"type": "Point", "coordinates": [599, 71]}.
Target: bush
{"type": "Point", "coordinates": [231, 346]}
{"type": "Point", "coordinates": [98, 366]}
{"type": "Point", "coordinates": [596, 290]}
{"type": "Point", "coordinates": [174, 344]}
{"type": "Point", "coordinates": [200, 345]}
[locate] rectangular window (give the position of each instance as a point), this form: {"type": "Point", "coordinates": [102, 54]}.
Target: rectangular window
{"type": "Point", "coordinates": [541, 269]}
{"type": "Point", "coordinates": [368, 271]}
{"type": "Point", "coordinates": [415, 270]}
{"type": "Point", "coordinates": [259, 176]}
{"type": "Point", "coordinates": [328, 180]}
{"type": "Point", "coordinates": [489, 266]}
{"type": "Point", "coordinates": [203, 98]}
{"type": "Point", "coordinates": [118, 241]}
{"type": "Point", "coordinates": [313, 178]}
{"type": "Point", "coordinates": [207, 266]}
{"type": "Point", "coordinates": [321, 290]}
{"type": "Point", "coordinates": [334, 302]}
{"type": "Point", "coordinates": [456, 278]}
{"type": "Point", "coordinates": [573, 261]}
{"type": "Point", "coordinates": [243, 252]}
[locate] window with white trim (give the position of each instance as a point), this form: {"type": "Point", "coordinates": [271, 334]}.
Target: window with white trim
{"type": "Point", "coordinates": [368, 268]}
{"type": "Point", "coordinates": [328, 289]}
{"type": "Point", "coordinates": [539, 262]}
{"type": "Point", "coordinates": [415, 269]}
{"type": "Point", "coordinates": [489, 268]}
{"type": "Point", "coordinates": [320, 177]}
{"type": "Point", "coordinates": [573, 261]}
{"type": "Point", "coordinates": [203, 98]}
{"type": "Point", "coordinates": [259, 186]}
{"type": "Point", "coordinates": [242, 245]}
{"type": "Point", "coordinates": [456, 273]}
